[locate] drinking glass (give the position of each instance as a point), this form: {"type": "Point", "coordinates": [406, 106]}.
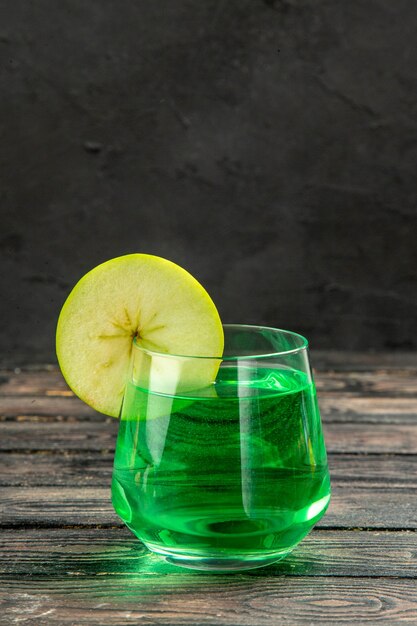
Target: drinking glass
{"type": "Point", "coordinates": [225, 476]}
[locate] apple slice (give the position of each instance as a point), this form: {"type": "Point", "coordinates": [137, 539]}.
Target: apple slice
{"type": "Point", "coordinates": [135, 297]}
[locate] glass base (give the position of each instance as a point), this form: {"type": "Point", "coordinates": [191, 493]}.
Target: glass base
{"type": "Point", "coordinates": [217, 562]}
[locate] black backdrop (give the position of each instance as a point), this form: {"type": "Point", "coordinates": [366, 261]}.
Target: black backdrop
{"type": "Point", "coordinates": [269, 147]}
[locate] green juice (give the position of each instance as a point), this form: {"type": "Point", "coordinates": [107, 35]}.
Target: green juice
{"type": "Point", "coordinates": [236, 471]}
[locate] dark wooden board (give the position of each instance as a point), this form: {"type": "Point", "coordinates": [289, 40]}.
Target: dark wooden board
{"type": "Point", "coordinates": [334, 407]}
{"type": "Point", "coordinates": [66, 558]}
{"type": "Point", "coordinates": [73, 469]}
{"type": "Point", "coordinates": [46, 406]}
{"type": "Point", "coordinates": [213, 600]}
{"type": "Point", "coordinates": [58, 436]}
{"type": "Point", "coordinates": [68, 553]}
{"type": "Point", "coordinates": [342, 361]}
{"type": "Point", "coordinates": [101, 435]}
{"type": "Point", "coordinates": [27, 382]}
{"type": "Point", "coordinates": [66, 469]}
{"type": "Point", "coordinates": [371, 438]}
{"type": "Point", "coordinates": [388, 382]}
{"type": "Point", "coordinates": [351, 507]}
{"type": "Point", "coordinates": [381, 396]}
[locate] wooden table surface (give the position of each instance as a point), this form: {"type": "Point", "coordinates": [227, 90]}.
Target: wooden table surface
{"type": "Point", "coordinates": [65, 557]}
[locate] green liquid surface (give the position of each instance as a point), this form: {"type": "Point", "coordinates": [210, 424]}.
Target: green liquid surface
{"type": "Point", "coordinates": [238, 471]}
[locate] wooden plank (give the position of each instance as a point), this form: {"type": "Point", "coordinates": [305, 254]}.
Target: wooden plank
{"type": "Point", "coordinates": [371, 438]}
{"type": "Point", "coordinates": [382, 381]}
{"type": "Point", "coordinates": [238, 600]}
{"type": "Point", "coordinates": [344, 408]}
{"type": "Point", "coordinates": [66, 553]}
{"type": "Point", "coordinates": [342, 360]}
{"type": "Point", "coordinates": [359, 506]}
{"type": "Point", "coordinates": [373, 507]}
{"type": "Point", "coordinates": [377, 383]}
{"type": "Point", "coordinates": [334, 407]}
{"type": "Point", "coordinates": [32, 383]}
{"type": "Point", "coordinates": [372, 397]}
{"type": "Point", "coordinates": [374, 470]}
{"type": "Point", "coordinates": [70, 406]}
{"type": "Point", "coordinates": [57, 506]}
{"type": "Point", "coordinates": [74, 469]}
{"type": "Point", "coordinates": [59, 436]}
{"type": "Point", "coordinates": [101, 435]}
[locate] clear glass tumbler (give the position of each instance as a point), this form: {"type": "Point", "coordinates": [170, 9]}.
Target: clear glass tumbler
{"type": "Point", "coordinates": [229, 476]}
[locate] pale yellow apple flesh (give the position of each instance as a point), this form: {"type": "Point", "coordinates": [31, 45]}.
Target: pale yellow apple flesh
{"type": "Point", "coordinates": [142, 297]}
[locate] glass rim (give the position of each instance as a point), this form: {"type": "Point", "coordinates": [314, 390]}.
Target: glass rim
{"type": "Point", "coordinates": [264, 355]}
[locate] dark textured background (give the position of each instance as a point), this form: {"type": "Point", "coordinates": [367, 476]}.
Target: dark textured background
{"type": "Point", "coordinates": [269, 147]}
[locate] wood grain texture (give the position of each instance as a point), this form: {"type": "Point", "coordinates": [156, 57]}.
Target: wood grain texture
{"type": "Point", "coordinates": [350, 507]}
{"type": "Point", "coordinates": [29, 382]}
{"type": "Point", "coordinates": [72, 469]}
{"type": "Point", "coordinates": [391, 383]}
{"type": "Point", "coordinates": [50, 383]}
{"type": "Point", "coordinates": [371, 438]}
{"type": "Point", "coordinates": [46, 406]}
{"type": "Point", "coordinates": [337, 407]}
{"type": "Point", "coordinates": [68, 553]}
{"type": "Point", "coordinates": [44, 469]}
{"type": "Point", "coordinates": [374, 397]}
{"type": "Point", "coordinates": [334, 407]}
{"type": "Point", "coordinates": [253, 601]}
{"type": "Point", "coordinates": [66, 558]}
{"type": "Point", "coordinates": [344, 361]}
{"type": "Point", "coordinates": [57, 436]}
